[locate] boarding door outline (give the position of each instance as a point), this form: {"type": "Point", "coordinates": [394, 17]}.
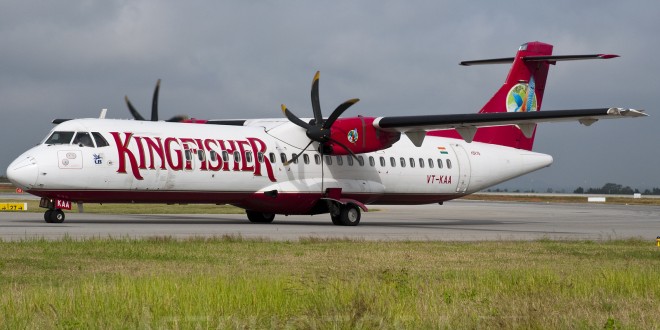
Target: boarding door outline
{"type": "Point", "coordinates": [463, 161]}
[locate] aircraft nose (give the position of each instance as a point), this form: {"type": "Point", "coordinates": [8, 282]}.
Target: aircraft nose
{"type": "Point", "coordinates": [23, 172]}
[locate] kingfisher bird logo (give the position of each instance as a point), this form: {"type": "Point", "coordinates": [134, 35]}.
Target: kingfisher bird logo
{"type": "Point", "coordinates": [352, 135]}
{"type": "Point", "coordinates": [522, 98]}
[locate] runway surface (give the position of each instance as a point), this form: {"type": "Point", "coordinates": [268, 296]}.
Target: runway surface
{"type": "Point", "coordinates": [454, 221]}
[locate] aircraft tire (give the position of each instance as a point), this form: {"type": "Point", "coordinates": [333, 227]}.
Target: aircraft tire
{"type": "Point", "coordinates": [336, 220]}
{"type": "Point", "coordinates": [259, 217]}
{"type": "Point", "coordinates": [350, 215]}
{"type": "Point", "coordinates": [47, 216]}
{"type": "Point", "coordinates": [57, 216]}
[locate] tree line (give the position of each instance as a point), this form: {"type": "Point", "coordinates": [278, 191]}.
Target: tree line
{"type": "Point", "coordinates": [616, 189]}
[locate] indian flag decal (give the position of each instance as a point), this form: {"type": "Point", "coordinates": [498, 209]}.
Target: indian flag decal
{"type": "Point", "coordinates": [443, 150]}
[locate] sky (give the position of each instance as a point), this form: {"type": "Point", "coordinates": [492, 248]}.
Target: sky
{"type": "Point", "coordinates": [242, 59]}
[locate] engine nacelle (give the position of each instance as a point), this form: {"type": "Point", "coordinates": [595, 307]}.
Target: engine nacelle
{"type": "Point", "coordinates": [359, 135]}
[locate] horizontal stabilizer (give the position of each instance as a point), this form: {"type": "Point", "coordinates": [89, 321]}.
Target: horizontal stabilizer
{"type": "Point", "coordinates": [550, 58]}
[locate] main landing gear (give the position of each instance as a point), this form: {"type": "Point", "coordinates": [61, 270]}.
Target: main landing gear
{"type": "Point", "coordinates": [341, 214]}
{"type": "Point", "coordinates": [54, 216]}
{"type": "Point", "coordinates": [345, 215]}
{"type": "Point", "coordinates": [259, 217]}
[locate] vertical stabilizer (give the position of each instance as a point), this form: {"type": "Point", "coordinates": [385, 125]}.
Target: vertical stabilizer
{"type": "Point", "coordinates": [522, 91]}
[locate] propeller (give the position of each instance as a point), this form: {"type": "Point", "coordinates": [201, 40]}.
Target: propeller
{"type": "Point", "coordinates": [319, 129]}
{"type": "Point", "coordinates": [154, 108]}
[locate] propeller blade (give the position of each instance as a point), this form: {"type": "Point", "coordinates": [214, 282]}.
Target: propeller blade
{"type": "Point", "coordinates": [346, 148]}
{"type": "Point", "coordinates": [154, 103]}
{"type": "Point", "coordinates": [132, 110]}
{"type": "Point", "coordinates": [294, 119]}
{"type": "Point", "coordinates": [338, 112]}
{"type": "Point", "coordinates": [298, 155]}
{"type": "Point", "coordinates": [316, 105]}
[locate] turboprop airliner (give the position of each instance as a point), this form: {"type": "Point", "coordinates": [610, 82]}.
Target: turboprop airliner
{"type": "Point", "coordinates": [335, 165]}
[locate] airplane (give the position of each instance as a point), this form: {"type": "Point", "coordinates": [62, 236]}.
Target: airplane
{"type": "Point", "coordinates": [305, 166]}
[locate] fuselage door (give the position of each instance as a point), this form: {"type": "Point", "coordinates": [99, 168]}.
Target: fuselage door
{"type": "Point", "coordinates": [463, 167]}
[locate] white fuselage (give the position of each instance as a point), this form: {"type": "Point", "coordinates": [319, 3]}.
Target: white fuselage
{"type": "Point", "coordinates": [163, 162]}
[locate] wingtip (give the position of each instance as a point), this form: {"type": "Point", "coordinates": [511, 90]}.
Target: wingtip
{"type": "Point", "coordinates": [283, 108]}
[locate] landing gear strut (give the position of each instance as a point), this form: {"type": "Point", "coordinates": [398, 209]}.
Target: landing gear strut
{"type": "Point", "coordinates": [345, 215]}
{"type": "Point", "coordinates": [54, 216]}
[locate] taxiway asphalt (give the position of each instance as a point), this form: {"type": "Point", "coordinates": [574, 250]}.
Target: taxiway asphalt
{"type": "Point", "coordinates": [454, 221]}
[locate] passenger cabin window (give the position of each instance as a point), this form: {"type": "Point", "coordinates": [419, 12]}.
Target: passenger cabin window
{"type": "Point", "coordinates": [372, 162]}
{"type": "Point", "coordinates": [412, 162]}
{"type": "Point", "coordinates": [306, 158]}
{"type": "Point", "coordinates": [328, 160]}
{"type": "Point", "coordinates": [430, 163]}
{"type": "Point", "coordinates": [317, 159]}
{"type": "Point", "coordinates": [214, 155]}
{"type": "Point", "coordinates": [225, 156]}
{"type": "Point", "coordinates": [421, 162]}
{"type": "Point", "coordinates": [403, 162]}
{"type": "Point", "coordinates": [260, 157]}
{"type": "Point", "coordinates": [248, 156]}
{"type": "Point", "coordinates": [237, 157]}
{"type": "Point", "coordinates": [349, 160]}
{"type": "Point", "coordinates": [100, 140]}
{"type": "Point", "coordinates": [272, 157]}
{"type": "Point", "coordinates": [294, 158]}
{"type": "Point", "coordinates": [283, 158]}
{"type": "Point", "coordinates": [340, 161]}
{"type": "Point", "coordinates": [83, 139]}
{"type": "Point", "coordinates": [439, 163]}
{"type": "Point", "coordinates": [382, 161]}
{"type": "Point", "coordinates": [361, 160]}
{"type": "Point", "coordinates": [392, 162]}
{"type": "Point", "coordinates": [188, 153]}
{"type": "Point", "coordinates": [201, 155]}
{"type": "Point", "coordinates": [448, 163]}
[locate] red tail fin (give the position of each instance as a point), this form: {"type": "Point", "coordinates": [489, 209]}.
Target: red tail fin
{"type": "Point", "coordinates": [522, 91]}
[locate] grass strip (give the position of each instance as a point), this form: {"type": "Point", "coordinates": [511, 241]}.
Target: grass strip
{"type": "Point", "coordinates": [232, 282]}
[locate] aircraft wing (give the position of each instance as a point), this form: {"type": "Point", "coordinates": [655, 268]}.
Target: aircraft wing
{"type": "Point", "coordinates": [466, 124]}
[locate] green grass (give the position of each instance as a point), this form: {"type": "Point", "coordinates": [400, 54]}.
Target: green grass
{"type": "Point", "coordinates": [235, 283]}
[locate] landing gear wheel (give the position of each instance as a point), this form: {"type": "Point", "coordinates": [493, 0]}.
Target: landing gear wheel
{"type": "Point", "coordinates": [47, 216]}
{"type": "Point", "coordinates": [258, 217]}
{"type": "Point", "coordinates": [349, 216]}
{"type": "Point", "coordinates": [57, 216]}
{"type": "Point", "coordinates": [336, 219]}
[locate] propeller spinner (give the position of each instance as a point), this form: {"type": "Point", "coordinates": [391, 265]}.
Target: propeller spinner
{"type": "Point", "coordinates": [318, 129]}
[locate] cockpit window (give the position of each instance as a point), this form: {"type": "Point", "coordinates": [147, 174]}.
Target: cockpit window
{"type": "Point", "coordinates": [60, 138]}
{"type": "Point", "coordinates": [100, 140]}
{"type": "Point", "coordinates": [83, 139]}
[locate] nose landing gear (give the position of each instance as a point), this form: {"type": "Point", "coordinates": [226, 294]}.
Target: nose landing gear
{"type": "Point", "coordinates": [54, 216]}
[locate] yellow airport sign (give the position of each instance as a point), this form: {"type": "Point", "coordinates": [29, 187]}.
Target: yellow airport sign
{"type": "Point", "coordinates": [13, 207]}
